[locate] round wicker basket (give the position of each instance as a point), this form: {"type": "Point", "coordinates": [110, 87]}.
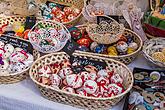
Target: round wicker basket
{"type": "Point", "coordinates": [58, 26]}
{"type": "Point", "coordinates": [73, 3]}
{"type": "Point", "coordinates": [126, 59]}
{"type": "Point", "coordinates": [151, 46]}
{"type": "Point", "coordinates": [75, 99]}
{"type": "Point", "coordinates": [18, 76]}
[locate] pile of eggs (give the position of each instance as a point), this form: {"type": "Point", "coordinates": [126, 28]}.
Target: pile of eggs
{"type": "Point", "coordinates": [13, 60]}
{"type": "Point", "coordinates": [83, 80]}
{"type": "Point", "coordinates": [159, 56]}
{"type": "Point", "coordinates": [124, 46]}
{"type": "Point", "coordinates": [59, 13]}
{"type": "Point", "coordinates": [17, 29]}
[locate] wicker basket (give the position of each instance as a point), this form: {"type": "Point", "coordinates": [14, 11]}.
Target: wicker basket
{"type": "Point", "coordinates": [126, 59]}
{"type": "Point", "coordinates": [105, 32]}
{"type": "Point", "coordinates": [151, 46]}
{"type": "Point", "coordinates": [18, 76]}
{"type": "Point", "coordinates": [20, 7]}
{"type": "Point", "coordinates": [74, 3]}
{"type": "Point", "coordinates": [75, 99]}
{"type": "Point", "coordinates": [50, 48]}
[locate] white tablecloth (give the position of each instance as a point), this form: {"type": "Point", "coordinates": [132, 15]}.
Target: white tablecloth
{"type": "Point", "coordinates": [25, 95]}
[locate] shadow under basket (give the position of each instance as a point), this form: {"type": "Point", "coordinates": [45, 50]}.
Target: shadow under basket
{"type": "Point", "coordinates": [76, 100]}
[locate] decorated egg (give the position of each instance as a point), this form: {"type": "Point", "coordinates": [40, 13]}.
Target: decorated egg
{"type": "Point", "coordinates": [116, 78]}
{"type": "Point", "coordinates": [9, 48]}
{"type": "Point", "coordinates": [102, 83]}
{"type": "Point", "coordinates": [76, 11]}
{"type": "Point", "coordinates": [90, 86]}
{"type": "Point", "coordinates": [55, 67]}
{"type": "Point", "coordinates": [4, 64]}
{"type": "Point", "coordinates": [17, 67]}
{"type": "Point", "coordinates": [68, 89]}
{"type": "Point", "coordinates": [92, 76]}
{"type": "Point", "coordinates": [4, 72]}
{"type": "Point", "coordinates": [18, 28]}
{"type": "Point", "coordinates": [133, 45]}
{"type": "Point", "coordinates": [100, 48]}
{"type": "Point", "coordinates": [130, 50]}
{"type": "Point", "coordinates": [83, 48]}
{"type": "Point", "coordinates": [71, 17]}
{"type": "Point", "coordinates": [84, 41]}
{"type": "Point", "coordinates": [84, 75]}
{"type": "Point", "coordinates": [19, 56]}
{"type": "Point", "coordinates": [75, 33]}
{"type": "Point", "coordinates": [123, 38]}
{"type": "Point", "coordinates": [55, 80]}
{"type": "Point", "coordinates": [45, 71]}
{"type": "Point", "coordinates": [81, 92]}
{"type": "Point", "coordinates": [6, 55]}
{"type": "Point", "coordinates": [122, 46]}
{"type": "Point", "coordinates": [112, 51]}
{"type": "Point", "coordinates": [93, 45]}
{"type": "Point", "coordinates": [102, 73]}
{"type": "Point", "coordinates": [2, 51]}
{"type": "Point", "coordinates": [2, 44]}
{"type": "Point", "coordinates": [67, 10]}
{"type": "Point", "coordinates": [115, 89]}
{"type": "Point", "coordinates": [65, 72]}
{"type": "Point", "coordinates": [74, 81]}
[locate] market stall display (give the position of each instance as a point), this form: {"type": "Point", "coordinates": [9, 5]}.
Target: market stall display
{"type": "Point", "coordinates": [67, 95]}
{"type": "Point", "coordinates": [67, 12]}
{"type": "Point", "coordinates": [154, 52]}
{"type": "Point", "coordinates": [16, 57]}
{"type": "Point", "coordinates": [148, 90]}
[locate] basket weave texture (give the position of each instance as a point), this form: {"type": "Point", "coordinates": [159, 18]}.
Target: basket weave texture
{"type": "Point", "coordinates": [18, 76]}
{"type": "Point", "coordinates": [152, 46]}
{"type": "Point", "coordinates": [126, 59]}
{"type": "Point", "coordinates": [75, 99]}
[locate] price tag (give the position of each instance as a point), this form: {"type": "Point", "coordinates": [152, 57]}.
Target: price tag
{"type": "Point", "coordinates": [70, 47]}
{"type": "Point", "coordinates": [85, 61]}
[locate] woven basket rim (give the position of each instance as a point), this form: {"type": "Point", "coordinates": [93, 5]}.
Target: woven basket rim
{"type": "Point", "coordinates": [65, 23]}
{"type": "Point", "coordinates": [120, 56]}
{"type": "Point", "coordinates": [147, 56]}
{"type": "Point", "coordinates": [58, 90]}
{"type": "Point", "coordinates": [17, 73]}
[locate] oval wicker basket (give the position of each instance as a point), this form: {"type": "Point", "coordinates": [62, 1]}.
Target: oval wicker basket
{"type": "Point", "coordinates": [151, 46]}
{"type": "Point", "coordinates": [74, 3]}
{"type": "Point", "coordinates": [18, 76]}
{"type": "Point", "coordinates": [50, 48]}
{"type": "Point", "coordinates": [105, 33]}
{"type": "Point", "coordinates": [75, 99]}
{"type": "Point", "coordinates": [126, 59]}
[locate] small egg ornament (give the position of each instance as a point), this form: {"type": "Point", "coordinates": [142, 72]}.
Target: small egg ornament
{"type": "Point", "coordinates": [67, 10]}
{"type": "Point", "coordinates": [155, 76]}
{"type": "Point", "coordinates": [130, 50]}
{"type": "Point", "coordinates": [84, 41]}
{"type": "Point", "coordinates": [45, 71]}
{"type": "Point", "coordinates": [90, 86]}
{"type": "Point", "coordinates": [81, 92]}
{"type": "Point", "coordinates": [114, 88]}
{"type": "Point", "coordinates": [68, 89]}
{"type": "Point", "coordinates": [2, 44]}
{"type": "Point", "coordinates": [123, 38]}
{"type": "Point", "coordinates": [74, 81]}
{"type": "Point", "coordinates": [4, 64]}
{"type": "Point", "coordinates": [93, 45]}
{"type": "Point", "coordinates": [122, 46]}
{"type": "Point", "coordinates": [83, 48]}
{"type": "Point", "coordinates": [9, 48]}
{"type": "Point", "coordinates": [75, 33]}
{"type": "Point", "coordinates": [18, 28]}
{"type": "Point", "coordinates": [116, 78]}
{"type": "Point", "coordinates": [102, 73]}
{"type": "Point", "coordinates": [65, 72]}
{"type": "Point", "coordinates": [133, 45]}
{"type": "Point", "coordinates": [55, 80]}
{"type": "Point", "coordinates": [100, 48]}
